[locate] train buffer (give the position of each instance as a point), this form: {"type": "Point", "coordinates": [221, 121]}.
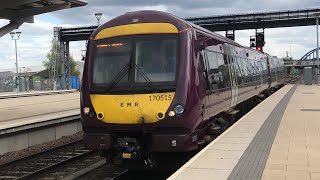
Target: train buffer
{"type": "Point", "coordinates": [278, 139]}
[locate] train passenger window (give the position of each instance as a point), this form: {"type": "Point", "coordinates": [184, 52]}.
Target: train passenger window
{"type": "Point", "coordinates": [239, 70]}
{"type": "Point", "coordinates": [213, 61]}
{"type": "Point", "coordinates": [214, 71]}
{"type": "Point", "coordinates": [220, 59]}
{"type": "Point", "coordinates": [258, 74]}
{"type": "Point", "coordinates": [224, 73]}
{"type": "Point", "coordinates": [254, 70]}
{"type": "Point", "coordinates": [250, 70]}
{"type": "Point", "coordinates": [264, 67]}
{"type": "Point", "coordinates": [243, 70]}
{"type": "Point", "coordinates": [257, 71]}
{"type": "Point", "coordinates": [222, 69]}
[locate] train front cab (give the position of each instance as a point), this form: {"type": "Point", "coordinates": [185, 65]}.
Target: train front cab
{"type": "Point", "coordinates": [135, 107]}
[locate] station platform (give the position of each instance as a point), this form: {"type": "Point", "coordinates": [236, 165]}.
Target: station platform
{"type": "Point", "coordinates": [279, 139]}
{"type": "Point", "coordinates": [32, 120]}
{"type": "Point", "coordinates": [22, 110]}
{"type": "Point", "coordinates": [6, 95]}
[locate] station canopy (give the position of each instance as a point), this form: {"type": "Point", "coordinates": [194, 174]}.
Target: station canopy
{"type": "Point", "coordinates": [21, 11]}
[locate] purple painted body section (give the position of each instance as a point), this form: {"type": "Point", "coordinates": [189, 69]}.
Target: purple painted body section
{"type": "Point", "coordinates": [200, 104]}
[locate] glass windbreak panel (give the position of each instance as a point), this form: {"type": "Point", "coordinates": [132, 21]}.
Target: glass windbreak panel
{"type": "Point", "coordinates": [156, 57]}
{"type": "Point", "coordinates": [111, 56]}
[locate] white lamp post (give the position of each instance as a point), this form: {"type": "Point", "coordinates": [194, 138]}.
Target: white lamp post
{"type": "Point", "coordinates": [98, 16]}
{"type": "Point", "coordinates": [15, 38]}
{"type": "Point", "coordinates": [317, 19]}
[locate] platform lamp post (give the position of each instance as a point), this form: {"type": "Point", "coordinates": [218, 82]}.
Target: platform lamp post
{"type": "Point", "coordinates": [98, 16]}
{"type": "Point", "coordinates": [15, 38]}
{"type": "Point", "coordinates": [317, 15]}
{"type": "Point", "coordinates": [317, 22]}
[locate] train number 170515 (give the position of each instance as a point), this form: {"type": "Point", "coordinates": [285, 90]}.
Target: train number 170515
{"type": "Point", "coordinates": [162, 97]}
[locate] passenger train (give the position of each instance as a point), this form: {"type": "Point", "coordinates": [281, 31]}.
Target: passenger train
{"type": "Point", "coordinates": [153, 82]}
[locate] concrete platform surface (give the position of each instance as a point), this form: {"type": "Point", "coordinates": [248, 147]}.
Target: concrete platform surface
{"type": "Point", "coordinates": [295, 153]}
{"type": "Point", "coordinates": [255, 148]}
{"type": "Point", "coordinates": [32, 120]}
{"type": "Point", "coordinates": [6, 95]}
{"type": "Point", "coordinates": [18, 110]}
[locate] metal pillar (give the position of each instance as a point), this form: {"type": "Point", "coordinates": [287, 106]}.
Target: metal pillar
{"type": "Point", "coordinates": [54, 64]}
{"type": "Point", "coordinates": [317, 71]}
{"type": "Point", "coordinates": [54, 68]}
{"type": "Point", "coordinates": [17, 34]}
{"type": "Point", "coordinates": [63, 75]}
{"type": "Point", "coordinates": [65, 65]}
{"type": "Point", "coordinates": [17, 82]}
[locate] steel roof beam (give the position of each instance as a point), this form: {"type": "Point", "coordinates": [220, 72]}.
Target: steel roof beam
{"type": "Point", "coordinates": [13, 4]}
{"type": "Point", "coordinates": [258, 20]}
{"type": "Point", "coordinates": [17, 14]}
{"type": "Point", "coordinates": [9, 27]}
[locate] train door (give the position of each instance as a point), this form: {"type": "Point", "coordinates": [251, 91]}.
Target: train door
{"type": "Point", "coordinates": [233, 74]}
{"type": "Point", "coordinates": [205, 79]}
{"type": "Point", "coordinates": [269, 72]}
{"type": "Point", "coordinates": [201, 54]}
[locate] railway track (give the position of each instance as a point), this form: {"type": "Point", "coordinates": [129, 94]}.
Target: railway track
{"type": "Point", "coordinates": [68, 161]}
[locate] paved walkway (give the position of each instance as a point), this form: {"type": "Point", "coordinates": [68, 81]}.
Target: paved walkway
{"type": "Point", "coordinates": [295, 153]}
{"type": "Point", "coordinates": [18, 111]}
{"type": "Point", "coordinates": [242, 152]}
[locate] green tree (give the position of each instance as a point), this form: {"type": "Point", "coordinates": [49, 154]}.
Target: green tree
{"type": "Point", "coordinates": [54, 54]}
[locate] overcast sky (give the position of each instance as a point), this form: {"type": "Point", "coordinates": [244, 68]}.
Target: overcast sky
{"type": "Point", "coordinates": [35, 39]}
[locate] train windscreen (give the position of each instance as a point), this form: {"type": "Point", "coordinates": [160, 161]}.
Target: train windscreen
{"type": "Point", "coordinates": [110, 58]}
{"type": "Point", "coordinates": [135, 61]}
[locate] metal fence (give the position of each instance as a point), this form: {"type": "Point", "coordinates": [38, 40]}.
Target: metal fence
{"type": "Point", "coordinates": [26, 84]}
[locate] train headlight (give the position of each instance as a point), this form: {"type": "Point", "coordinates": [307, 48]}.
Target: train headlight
{"type": "Point", "coordinates": [171, 113]}
{"type": "Point", "coordinates": [86, 110]}
{"type": "Point", "coordinates": [179, 109]}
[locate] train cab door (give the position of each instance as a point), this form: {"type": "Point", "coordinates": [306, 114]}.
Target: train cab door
{"type": "Point", "coordinates": [206, 83]}
{"type": "Point", "coordinates": [229, 50]}
{"type": "Point", "coordinates": [202, 56]}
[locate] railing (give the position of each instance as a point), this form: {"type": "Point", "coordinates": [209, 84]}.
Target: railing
{"type": "Point", "coordinates": [309, 59]}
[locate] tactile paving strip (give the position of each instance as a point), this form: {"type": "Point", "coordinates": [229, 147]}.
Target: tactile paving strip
{"type": "Point", "coordinates": [252, 162]}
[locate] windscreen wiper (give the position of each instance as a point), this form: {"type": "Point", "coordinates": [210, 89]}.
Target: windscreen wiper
{"type": "Point", "coordinates": [145, 77]}
{"type": "Point", "coordinates": [118, 77]}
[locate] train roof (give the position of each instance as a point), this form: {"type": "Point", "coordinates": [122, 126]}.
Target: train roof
{"type": "Point", "coordinates": [147, 16]}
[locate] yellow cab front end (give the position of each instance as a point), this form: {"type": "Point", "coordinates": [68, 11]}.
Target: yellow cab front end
{"type": "Point", "coordinates": [129, 86]}
{"type": "Point", "coordinates": [133, 74]}
{"type": "Point", "coordinates": [132, 108]}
